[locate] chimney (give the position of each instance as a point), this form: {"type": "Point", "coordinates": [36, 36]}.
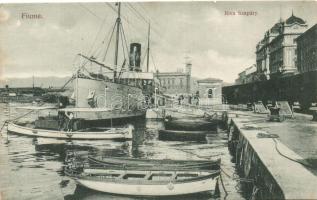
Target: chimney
{"type": "Point", "coordinates": [188, 68]}
{"type": "Point", "coordinates": [135, 57]}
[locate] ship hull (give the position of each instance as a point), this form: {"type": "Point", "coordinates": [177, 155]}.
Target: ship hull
{"type": "Point", "coordinates": [106, 101]}
{"type": "Point", "coordinates": [107, 94]}
{"type": "Point", "coordinates": [118, 121]}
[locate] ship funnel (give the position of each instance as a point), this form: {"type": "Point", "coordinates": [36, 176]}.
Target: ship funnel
{"type": "Point", "coordinates": [135, 57]}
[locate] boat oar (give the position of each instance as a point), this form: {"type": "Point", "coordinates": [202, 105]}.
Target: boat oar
{"type": "Point", "coordinates": [198, 156]}
{"type": "Point", "coordinates": [4, 124]}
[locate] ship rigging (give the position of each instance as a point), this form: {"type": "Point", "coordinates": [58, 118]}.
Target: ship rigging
{"type": "Point", "coordinates": [119, 70]}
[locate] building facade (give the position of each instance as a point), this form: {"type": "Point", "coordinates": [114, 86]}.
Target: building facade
{"type": "Point", "coordinates": [276, 52]}
{"type": "Point", "coordinates": [307, 51]}
{"type": "Point", "coordinates": [282, 48]}
{"type": "Point", "coordinates": [175, 82]}
{"type": "Point", "coordinates": [263, 54]}
{"type": "Point", "coordinates": [241, 78]}
{"type": "Point", "coordinates": [248, 75]}
{"type": "Point", "coordinates": [210, 92]}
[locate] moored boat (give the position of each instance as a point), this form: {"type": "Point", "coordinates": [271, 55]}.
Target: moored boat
{"type": "Point", "coordinates": [180, 135]}
{"type": "Point", "coordinates": [154, 164]}
{"type": "Point", "coordinates": [108, 94]}
{"type": "Point", "coordinates": [191, 124]}
{"type": "Point", "coordinates": [91, 134]}
{"type": "Point", "coordinates": [146, 182]}
{"type": "Point", "coordinates": [181, 112]}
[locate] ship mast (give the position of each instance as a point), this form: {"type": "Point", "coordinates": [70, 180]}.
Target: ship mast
{"type": "Point", "coordinates": [33, 82]}
{"type": "Point", "coordinates": [118, 22]}
{"type": "Point", "coordinates": [148, 49]}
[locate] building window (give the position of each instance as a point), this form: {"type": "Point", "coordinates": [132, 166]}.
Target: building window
{"type": "Point", "coordinates": [210, 93]}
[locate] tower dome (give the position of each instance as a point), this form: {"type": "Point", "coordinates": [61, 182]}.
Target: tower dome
{"type": "Point", "coordinates": [293, 19]}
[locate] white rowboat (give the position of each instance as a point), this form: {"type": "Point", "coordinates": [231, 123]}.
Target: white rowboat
{"type": "Point", "coordinates": [109, 133]}
{"type": "Point", "coordinates": [148, 183]}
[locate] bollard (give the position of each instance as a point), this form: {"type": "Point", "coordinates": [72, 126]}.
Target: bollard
{"type": "Point", "coordinates": [217, 189]}
{"type": "Point", "coordinates": [313, 109]}
{"type": "Point", "coordinates": [315, 115]}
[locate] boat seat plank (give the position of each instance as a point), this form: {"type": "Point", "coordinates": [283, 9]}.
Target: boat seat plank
{"type": "Point", "coordinates": [122, 175]}
{"type": "Point", "coordinates": [148, 176]}
{"type": "Point", "coordinates": [174, 176]}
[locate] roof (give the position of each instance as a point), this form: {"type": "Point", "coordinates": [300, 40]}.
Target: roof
{"type": "Point", "coordinates": [293, 19]}
{"type": "Point", "coordinates": [209, 80]}
{"type": "Point", "coordinates": [276, 28]}
{"type": "Point", "coordinates": [309, 31]}
{"type": "Point", "coordinates": [171, 73]}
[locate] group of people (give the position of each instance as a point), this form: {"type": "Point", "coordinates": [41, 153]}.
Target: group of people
{"type": "Point", "coordinates": [188, 99]}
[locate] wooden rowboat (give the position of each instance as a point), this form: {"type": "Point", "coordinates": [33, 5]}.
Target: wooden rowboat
{"type": "Point", "coordinates": [179, 135]}
{"type": "Point", "coordinates": [146, 183]}
{"type": "Point", "coordinates": [153, 164]}
{"type": "Point", "coordinates": [102, 134]}
{"type": "Point", "coordinates": [191, 124]}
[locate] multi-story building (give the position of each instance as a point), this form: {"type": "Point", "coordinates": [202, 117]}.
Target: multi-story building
{"type": "Point", "coordinates": [248, 75]}
{"type": "Point", "coordinates": [263, 54]}
{"type": "Point", "coordinates": [175, 82]}
{"type": "Point", "coordinates": [307, 50]}
{"type": "Point", "coordinates": [241, 78]}
{"type": "Point", "coordinates": [282, 48]}
{"type": "Point", "coordinates": [275, 53]}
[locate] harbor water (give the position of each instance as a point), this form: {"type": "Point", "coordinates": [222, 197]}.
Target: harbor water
{"type": "Point", "coordinates": [33, 168]}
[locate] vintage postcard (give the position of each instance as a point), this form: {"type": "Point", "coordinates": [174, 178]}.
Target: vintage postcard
{"type": "Point", "coordinates": [158, 100]}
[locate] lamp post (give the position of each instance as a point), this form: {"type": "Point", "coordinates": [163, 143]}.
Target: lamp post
{"type": "Point", "coordinates": [106, 96]}
{"type": "Point", "coordinates": [155, 98]}
{"type": "Point", "coordinates": [129, 101]}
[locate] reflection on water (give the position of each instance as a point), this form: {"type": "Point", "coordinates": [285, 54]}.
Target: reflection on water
{"type": "Point", "coordinates": [85, 194]}
{"type": "Point", "coordinates": [33, 168]}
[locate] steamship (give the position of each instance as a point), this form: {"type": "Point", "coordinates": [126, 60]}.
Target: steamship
{"type": "Point", "coordinates": [111, 93]}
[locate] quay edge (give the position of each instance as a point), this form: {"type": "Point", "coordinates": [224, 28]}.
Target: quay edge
{"type": "Point", "coordinates": [274, 176]}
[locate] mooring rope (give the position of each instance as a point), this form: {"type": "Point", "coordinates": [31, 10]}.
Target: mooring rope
{"type": "Point", "coordinates": [236, 179]}
{"type": "Point", "coordinates": [254, 192]}
{"type": "Point", "coordinates": [7, 121]}
{"type": "Point", "coordinates": [4, 124]}
{"type": "Point", "coordinates": [289, 158]}
{"type": "Point", "coordinates": [245, 180]}
{"type": "Point", "coordinates": [223, 185]}
{"type": "Point", "coordinates": [23, 115]}
{"type": "Point", "coordinates": [198, 156]}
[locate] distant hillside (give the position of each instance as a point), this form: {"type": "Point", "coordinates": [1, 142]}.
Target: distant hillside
{"type": "Point", "coordinates": [38, 82]}
{"type": "Point", "coordinates": [60, 81]}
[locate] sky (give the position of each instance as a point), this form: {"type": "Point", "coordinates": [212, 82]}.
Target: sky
{"type": "Point", "coordinates": [218, 45]}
